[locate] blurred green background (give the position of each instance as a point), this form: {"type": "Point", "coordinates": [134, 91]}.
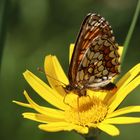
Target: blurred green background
{"type": "Point", "coordinates": [32, 29]}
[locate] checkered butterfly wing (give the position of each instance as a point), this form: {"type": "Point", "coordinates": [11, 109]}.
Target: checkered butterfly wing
{"type": "Point", "coordinates": [95, 57]}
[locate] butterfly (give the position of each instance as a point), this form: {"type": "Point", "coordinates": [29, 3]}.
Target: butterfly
{"type": "Point", "coordinates": [95, 59]}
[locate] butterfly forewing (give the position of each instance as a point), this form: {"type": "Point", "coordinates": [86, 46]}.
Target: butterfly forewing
{"type": "Point", "coordinates": [95, 58]}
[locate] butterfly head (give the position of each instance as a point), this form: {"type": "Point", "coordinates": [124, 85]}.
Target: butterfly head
{"type": "Point", "coordinates": [68, 88]}
{"type": "Point", "coordinates": [76, 89]}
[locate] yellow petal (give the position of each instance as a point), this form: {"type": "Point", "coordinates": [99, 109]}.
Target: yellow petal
{"type": "Point", "coordinates": [122, 93]}
{"type": "Point", "coordinates": [54, 127]}
{"type": "Point", "coordinates": [62, 126]}
{"type": "Point", "coordinates": [122, 120]}
{"type": "Point", "coordinates": [99, 94]}
{"type": "Point", "coordinates": [129, 76]}
{"type": "Point", "coordinates": [120, 50]}
{"type": "Point", "coordinates": [22, 104]}
{"type": "Point", "coordinates": [81, 129]}
{"type": "Point", "coordinates": [71, 48]}
{"type": "Point", "coordinates": [51, 113]}
{"type": "Point", "coordinates": [40, 117]}
{"type": "Point", "coordinates": [129, 109]}
{"type": "Point", "coordinates": [44, 110]}
{"type": "Point", "coordinates": [109, 129]}
{"type": "Point", "coordinates": [55, 74]}
{"type": "Point", "coordinates": [44, 90]}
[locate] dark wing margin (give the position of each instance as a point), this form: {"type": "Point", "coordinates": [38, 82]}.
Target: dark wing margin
{"type": "Point", "coordinates": [95, 58]}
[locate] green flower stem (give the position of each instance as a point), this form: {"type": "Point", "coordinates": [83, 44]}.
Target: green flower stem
{"type": "Point", "coordinates": [130, 32]}
{"type": "Point", "coordinates": [91, 138]}
{"type": "Point", "coordinates": [93, 134]}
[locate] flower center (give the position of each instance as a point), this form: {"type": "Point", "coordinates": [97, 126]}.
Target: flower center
{"type": "Point", "coordinates": [86, 110]}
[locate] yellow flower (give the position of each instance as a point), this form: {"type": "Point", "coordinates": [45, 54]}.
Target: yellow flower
{"type": "Point", "coordinates": [97, 110]}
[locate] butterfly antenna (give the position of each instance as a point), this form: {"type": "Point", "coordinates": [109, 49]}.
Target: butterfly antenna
{"type": "Point", "coordinates": [42, 71]}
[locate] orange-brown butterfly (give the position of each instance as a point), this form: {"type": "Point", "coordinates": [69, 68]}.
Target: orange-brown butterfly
{"type": "Point", "coordinates": [95, 59]}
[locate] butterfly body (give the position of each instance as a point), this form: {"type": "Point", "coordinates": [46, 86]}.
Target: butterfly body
{"type": "Point", "coordinates": [95, 57]}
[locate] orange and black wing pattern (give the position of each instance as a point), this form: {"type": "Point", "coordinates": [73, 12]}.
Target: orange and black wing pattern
{"type": "Point", "coordinates": [95, 57]}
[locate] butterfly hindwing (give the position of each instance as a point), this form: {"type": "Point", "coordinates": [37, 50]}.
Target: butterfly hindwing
{"type": "Point", "coordinates": [95, 57]}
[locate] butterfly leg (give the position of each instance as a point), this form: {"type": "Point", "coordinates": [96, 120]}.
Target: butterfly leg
{"type": "Point", "coordinates": [64, 101]}
{"type": "Point", "coordinates": [78, 108]}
